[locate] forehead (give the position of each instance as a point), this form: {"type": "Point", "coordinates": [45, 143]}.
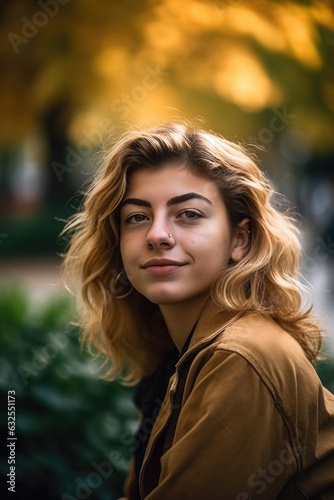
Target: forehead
{"type": "Point", "coordinates": [170, 180]}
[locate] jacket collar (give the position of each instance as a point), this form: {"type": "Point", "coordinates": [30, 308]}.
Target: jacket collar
{"type": "Point", "coordinates": [212, 322]}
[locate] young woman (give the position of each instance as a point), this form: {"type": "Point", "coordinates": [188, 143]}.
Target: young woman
{"type": "Point", "coordinates": [189, 279]}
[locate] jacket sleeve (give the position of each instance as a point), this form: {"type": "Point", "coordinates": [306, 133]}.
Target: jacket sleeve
{"type": "Point", "coordinates": [231, 441]}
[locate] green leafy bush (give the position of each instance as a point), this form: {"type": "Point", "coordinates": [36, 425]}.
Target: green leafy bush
{"type": "Point", "coordinates": [73, 429]}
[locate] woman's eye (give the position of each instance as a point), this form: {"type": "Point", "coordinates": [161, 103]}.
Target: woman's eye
{"type": "Point", "coordinates": [133, 219]}
{"type": "Point", "coordinates": [190, 215]}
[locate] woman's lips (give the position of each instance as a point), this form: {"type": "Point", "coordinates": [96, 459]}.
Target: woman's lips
{"type": "Point", "coordinates": [162, 267]}
{"type": "Point", "coordinates": [162, 270]}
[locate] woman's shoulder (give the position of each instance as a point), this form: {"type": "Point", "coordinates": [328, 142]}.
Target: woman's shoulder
{"type": "Point", "coordinates": [257, 333]}
{"type": "Point", "coordinates": [269, 349]}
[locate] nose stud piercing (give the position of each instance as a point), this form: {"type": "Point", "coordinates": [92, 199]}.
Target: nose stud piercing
{"type": "Point", "coordinates": [170, 235]}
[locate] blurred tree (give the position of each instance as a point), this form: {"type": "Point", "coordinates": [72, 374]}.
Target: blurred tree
{"type": "Point", "coordinates": [74, 71]}
{"type": "Point", "coordinates": [230, 61]}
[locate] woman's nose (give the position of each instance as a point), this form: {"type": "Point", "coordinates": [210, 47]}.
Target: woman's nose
{"type": "Point", "coordinates": [160, 235]}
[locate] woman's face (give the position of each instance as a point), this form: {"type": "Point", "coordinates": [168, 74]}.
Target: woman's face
{"type": "Point", "coordinates": [175, 234]}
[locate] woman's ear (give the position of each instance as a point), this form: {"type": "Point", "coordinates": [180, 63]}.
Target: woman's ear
{"type": "Point", "coordinates": [240, 240]}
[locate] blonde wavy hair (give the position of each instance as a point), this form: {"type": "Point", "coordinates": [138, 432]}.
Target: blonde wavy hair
{"type": "Point", "coordinates": [126, 328]}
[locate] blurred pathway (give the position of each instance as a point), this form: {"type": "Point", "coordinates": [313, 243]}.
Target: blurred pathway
{"type": "Point", "coordinates": [40, 278]}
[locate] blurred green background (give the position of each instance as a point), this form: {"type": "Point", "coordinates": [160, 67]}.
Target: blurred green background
{"type": "Point", "coordinates": [74, 74]}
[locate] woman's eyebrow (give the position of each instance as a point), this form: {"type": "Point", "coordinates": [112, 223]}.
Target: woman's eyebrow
{"type": "Point", "coordinates": [173, 201]}
{"type": "Point", "coordinates": [186, 197]}
{"type": "Point", "coordinates": [136, 201]}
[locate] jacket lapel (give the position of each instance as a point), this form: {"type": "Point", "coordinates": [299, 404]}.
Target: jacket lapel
{"type": "Point", "coordinates": [211, 324]}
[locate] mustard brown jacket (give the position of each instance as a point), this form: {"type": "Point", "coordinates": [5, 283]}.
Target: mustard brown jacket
{"type": "Point", "coordinates": [255, 421]}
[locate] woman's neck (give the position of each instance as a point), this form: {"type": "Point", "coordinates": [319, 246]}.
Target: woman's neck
{"type": "Point", "coordinates": [181, 317]}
